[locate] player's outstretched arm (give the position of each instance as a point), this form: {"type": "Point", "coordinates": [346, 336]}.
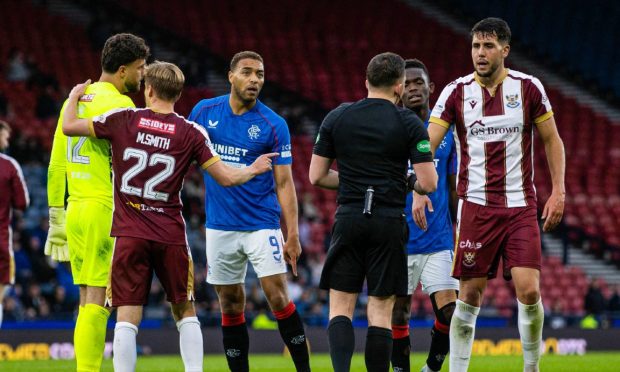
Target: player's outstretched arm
{"type": "Point", "coordinates": [320, 175]}
{"type": "Point", "coordinates": [554, 148]}
{"type": "Point", "coordinates": [229, 176]}
{"type": "Point", "coordinates": [71, 124]}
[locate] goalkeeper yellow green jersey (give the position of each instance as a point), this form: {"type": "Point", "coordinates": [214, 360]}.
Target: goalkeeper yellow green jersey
{"type": "Point", "coordinates": [84, 162]}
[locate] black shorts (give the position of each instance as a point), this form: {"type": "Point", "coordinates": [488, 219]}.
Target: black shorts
{"type": "Point", "coordinates": [367, 247]}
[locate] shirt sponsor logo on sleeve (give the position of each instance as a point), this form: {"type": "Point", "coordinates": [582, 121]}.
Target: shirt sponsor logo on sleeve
{"type": "Point", "coordinates": [87, 98]}
{"type": "Point", "coordinates": [157, 126]}
{"type": "Point", "coordinates": [424, 146]}
{"type": "Point", "coordinates": [286, 151]}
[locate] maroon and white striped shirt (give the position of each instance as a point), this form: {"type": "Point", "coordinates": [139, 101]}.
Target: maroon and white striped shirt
{"type": "Point", "coordinates": [13, 195]}
{"type": "Point", "coordinates": [494, 136]}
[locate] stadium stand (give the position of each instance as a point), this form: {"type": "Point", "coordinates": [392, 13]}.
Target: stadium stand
{"type": "Point", "coordinates": [322, 58]}
{"type": "Point", "coordinates": [570, 40]}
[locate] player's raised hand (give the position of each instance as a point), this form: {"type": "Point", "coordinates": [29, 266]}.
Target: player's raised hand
{"type": "Point", "coordinates": [263, 163]}
{"type": "Point", "coordinates": [79, 89]}
{"type": "Point", "coordinates": [553, 211]}
{"type": "Point", "coordinates": [292, 251]}
{"type": "Point", "coordinates": [418, 209]}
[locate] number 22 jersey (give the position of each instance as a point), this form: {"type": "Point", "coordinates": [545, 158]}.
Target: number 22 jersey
{"type": "Point", "coordinates": [151, 153]}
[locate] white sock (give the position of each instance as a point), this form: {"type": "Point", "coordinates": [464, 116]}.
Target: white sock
{"type": "Point", "coordinates": [531, 319]}
{"type": "Point", "coordinates": [190, 340]}
{"type": "Point", "coordinates": [124, 347]}
{"type": "Point", "coordinates": [462, 330]}
{"type": "Point", "coordinates": [1, 312]}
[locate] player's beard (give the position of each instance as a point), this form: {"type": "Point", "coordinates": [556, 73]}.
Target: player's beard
{"type": "Point", "coordinates": [132, 87]}
{"type": "Point", "coordinates": [490, 72]}
{"type": "Point", "coordinates": [246, 100]}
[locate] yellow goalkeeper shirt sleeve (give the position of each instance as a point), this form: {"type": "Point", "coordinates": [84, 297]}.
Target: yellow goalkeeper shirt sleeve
{"type": "Point", "coordinates": [84, 162]}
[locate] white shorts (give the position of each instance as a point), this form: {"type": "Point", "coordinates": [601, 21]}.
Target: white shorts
{"type": "Point", "coordinates": [433, 270]}
{"type": "Point", "coordinates": [228, 253]}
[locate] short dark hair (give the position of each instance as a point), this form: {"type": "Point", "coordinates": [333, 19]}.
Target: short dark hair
{"type": "Point", "coordinates": [121, 50]}
{"type": "Point", "coordinates": [243, 55]}
{"type": "Point", "coordinates": [166, 79]}
{"type": "Point", "coordinates": [493, 27]}
{"type": "Point", "coordinates": [385, 69]}
{"type": "Point", "coordinates": [416, 63]}
{"type": "Point", "coordinates": [5, 126]}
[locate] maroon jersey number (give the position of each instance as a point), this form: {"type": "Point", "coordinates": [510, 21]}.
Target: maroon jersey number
{"type": "Point", "coordinates": [148, 192]}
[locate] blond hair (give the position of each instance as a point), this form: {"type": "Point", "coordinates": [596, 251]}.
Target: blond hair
{"type": "Point", "coordinates": [166, 79]}
{"type": "Point", "coordinates": [5, 126]}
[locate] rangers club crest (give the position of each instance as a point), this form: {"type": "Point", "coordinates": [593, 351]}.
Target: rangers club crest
{"type": "Point", "coordinates": [512, 100]}
{"type": "Point", "coordinates": [254, 132]}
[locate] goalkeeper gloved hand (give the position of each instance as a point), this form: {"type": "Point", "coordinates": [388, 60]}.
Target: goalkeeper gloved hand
{"type": "Point", "coordinates": [56, 244]}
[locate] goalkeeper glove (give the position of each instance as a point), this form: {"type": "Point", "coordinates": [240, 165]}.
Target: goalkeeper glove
{"type": "Point", "coordinates": [56, 244]}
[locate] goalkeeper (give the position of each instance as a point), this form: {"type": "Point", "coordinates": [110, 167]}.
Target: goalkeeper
{"type": "Point", "coordinates": [82, 234]}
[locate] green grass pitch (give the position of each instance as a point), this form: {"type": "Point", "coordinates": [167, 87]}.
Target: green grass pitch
{"type": "Point", "coordinates": [599, 362]}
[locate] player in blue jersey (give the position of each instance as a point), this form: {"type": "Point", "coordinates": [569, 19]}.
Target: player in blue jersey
{"type": "Point", "coordinates": [243, 222]}
{"type": "Point", "coordinates": [430, 245]}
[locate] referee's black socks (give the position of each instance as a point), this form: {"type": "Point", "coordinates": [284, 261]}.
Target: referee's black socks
{"type": "Point", "coordinates": [293, 334]}
{"type": "Point", "coordinates": [236, 342]}
{"type": "Point", "coordinates": [341, 342]}
{"type": "Point", "coordinates": [378, 349]}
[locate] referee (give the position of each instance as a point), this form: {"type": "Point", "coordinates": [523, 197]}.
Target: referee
{"type": "Point", "coordinates": [372, 141]}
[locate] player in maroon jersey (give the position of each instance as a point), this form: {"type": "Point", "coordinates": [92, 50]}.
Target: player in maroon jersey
{"type": "Point", "coordinates": [14, 196]}
{"type": "Point", "coordinates": [152, 149]}
{"type": "Point", "coordinates": [494, 112]}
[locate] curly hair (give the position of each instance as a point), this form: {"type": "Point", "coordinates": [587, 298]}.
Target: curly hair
{"type": "Point", "coordinates": [122, 49]}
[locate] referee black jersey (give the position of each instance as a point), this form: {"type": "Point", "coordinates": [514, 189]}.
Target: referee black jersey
{"type": "Point", "coordinates": [371, 141]}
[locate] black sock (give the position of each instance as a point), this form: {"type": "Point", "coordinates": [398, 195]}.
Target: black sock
{"type": "Point", "coordinates": [440, 346]}
{"type": "Point", "coordinates": [341, 343]}
{"type": "Point", "coordinates": [236, 345]}
{"type": "Point", "coordinates": [294, 336]}
{"type": "Point", "coordinates": [378, 349]}
{"type": "Point", "coordinates": [401, 348]}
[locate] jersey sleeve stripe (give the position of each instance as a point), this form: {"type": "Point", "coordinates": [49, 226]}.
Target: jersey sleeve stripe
{"type": "Point", "coordinates": [543, 117]}
{"type": "Point", "coordinates": [210, 162]}
{"type": "Point", "coordinates": [438, 121]}
{"type": "Point", "coordinates": [273, 129]}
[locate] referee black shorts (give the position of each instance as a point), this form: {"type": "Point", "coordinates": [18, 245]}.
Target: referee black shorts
{"type": "Point", "coordinates": [371, 248]}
